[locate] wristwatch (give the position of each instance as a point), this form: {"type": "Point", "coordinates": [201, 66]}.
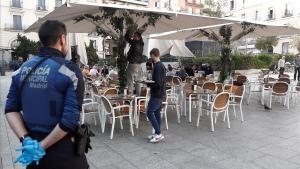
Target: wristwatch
{"type": "Point", "coordinates": [23, 137]}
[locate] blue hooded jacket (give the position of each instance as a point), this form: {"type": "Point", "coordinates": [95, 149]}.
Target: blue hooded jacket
{"type": "Point", "coordinates": [52, 95]}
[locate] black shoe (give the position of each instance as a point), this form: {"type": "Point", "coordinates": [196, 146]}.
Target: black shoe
{"type": "Point", "coordinates": [267, 108]}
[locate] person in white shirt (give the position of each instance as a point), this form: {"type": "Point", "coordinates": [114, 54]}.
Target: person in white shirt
{"type": "Point", "coordinates": [94, 72]}
{"type": "Point", "coordinates": [113, 74]}
{"type": "Point", "coordinates": [281, 64]}
{"type": "Point", "coordinates": [170, 72]}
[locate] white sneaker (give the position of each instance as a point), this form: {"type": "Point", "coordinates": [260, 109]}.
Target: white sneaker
{"type": "Point", "coordinates": [151, 136]}
{"type": "Point", "coordinates": [157, 138]}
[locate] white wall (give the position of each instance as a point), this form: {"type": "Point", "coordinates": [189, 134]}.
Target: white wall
{"type": "Point", "coordinates": [248, 8]}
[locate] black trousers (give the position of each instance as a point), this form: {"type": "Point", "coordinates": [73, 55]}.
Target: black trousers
{"type": "Point", "coordinates": [297, 71]}
{"type": "Point", "coordinates": [281, 71]}
{"type": "Point", "coordinates": [59, 156]}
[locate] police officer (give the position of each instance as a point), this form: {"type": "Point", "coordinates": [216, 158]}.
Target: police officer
{"type": "Point", "coordinates": [50, 101]}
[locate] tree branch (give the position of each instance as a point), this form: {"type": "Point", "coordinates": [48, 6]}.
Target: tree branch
{"type": "Point", "coordinates": [243, 33]}
{"type": "Point", "coordinates": [100, 25]}
{"type": "Point", "coordinates": [212, 35]}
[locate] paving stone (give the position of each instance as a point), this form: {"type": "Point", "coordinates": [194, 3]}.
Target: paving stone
{"type": "Point", "coordinates": [270, 162]}
{"type": "Point", "coordinates": [266, 140]}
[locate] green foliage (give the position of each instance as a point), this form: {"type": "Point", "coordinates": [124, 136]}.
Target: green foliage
{"type": "Point", "coordinates": [264, 44]}
{"type": "Point", "coordinates": [214, 7]}
{"type": "Point", "coordinates": [91, 54]}
{"type": "Point", "coordinates": [26, 47]}
{"type": "Point", "coordinates": [113, 22]}
{"type": "Point", "coordinates": [239, 61]}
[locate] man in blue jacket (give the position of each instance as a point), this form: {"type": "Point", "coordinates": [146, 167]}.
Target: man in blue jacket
{"type": "Point", "coordinates": [50, 101]}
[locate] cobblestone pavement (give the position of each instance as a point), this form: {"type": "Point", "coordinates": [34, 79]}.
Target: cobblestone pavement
{"type": "Point", "coordinates": [266, 140]}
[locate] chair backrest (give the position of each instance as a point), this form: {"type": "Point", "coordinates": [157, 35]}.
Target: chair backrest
{"type": "Point", "coordinates": [202, 78]}
{"type": "Point", "coordinates": [284, 79]}
{"type": "Point", "coordinates": [269, 79]}
{"type": "Point", "coordinates": [227, 87]}
{"type": "Point", "coordinates": [285, 75]}
{"type": "Point", "coordinates": [209, 86]}
{"type": "Point", "coordinates": [177, 80]}
{"type": "Point", "coordinates": [111, 92]}
{"type": "Point", "coordinates": [187, 87]}
{"type": "Point", "coordinates": [144, 91]}
{"type": "Point", "coordinates": [106, 104]}
{"type": "Point", "coordinates": [239, 91]}
{"type": "Point", "coordinates": [280, 87]}
{"type": "Point", "coordinates": [169, 79]}
{"type": "Point", "coordinates": [188, 80]}
{"type": "Point", "coordinates": [241, 78]}
{"type": "Point", "coordinates": [221, 101]}
{"type": "Point", "coordinates": [219, 85]}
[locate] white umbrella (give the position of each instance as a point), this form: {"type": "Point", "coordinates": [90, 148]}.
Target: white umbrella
{"type": "Point", "coordinates": [77, 39]}
{"type": "Point", "coordinates": [68, 12]}
{"type": "Point", "coordinates": [172, 47]}
{"type": "Point", "coordinates": [260, 30]}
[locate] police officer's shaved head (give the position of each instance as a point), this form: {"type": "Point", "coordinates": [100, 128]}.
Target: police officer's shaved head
{"type": "Point", "coordinates": [50, 32]}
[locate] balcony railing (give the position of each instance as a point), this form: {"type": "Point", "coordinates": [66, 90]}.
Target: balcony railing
{"type": "Point", "coordinates": [16, 4]}
{"type": "Point", "coordinates": [41, 8]}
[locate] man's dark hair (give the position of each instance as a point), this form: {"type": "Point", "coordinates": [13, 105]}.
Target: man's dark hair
{"type": "Point", "coordinates": [50, 31]}
{"type": "Point", "coordinates": [154, 52]}
{"type": "Point", "coordinates": [138, 33]}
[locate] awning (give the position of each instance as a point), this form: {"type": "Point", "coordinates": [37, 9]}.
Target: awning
{"type": "Point", "coordinates": [261, 30]}
{"type": "Point", "coordinates": [68, 12]}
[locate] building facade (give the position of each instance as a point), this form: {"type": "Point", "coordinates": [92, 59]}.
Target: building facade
{"type": "Point", "coordinates": [17, 15]}
{"type": "Point", "coordinates": [188, 6]}
{"type": "Point", "coordinates": [284, 12]}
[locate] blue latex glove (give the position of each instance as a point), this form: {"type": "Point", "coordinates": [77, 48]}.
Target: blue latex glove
{"type": "Point", "coordinates": [31, 151]}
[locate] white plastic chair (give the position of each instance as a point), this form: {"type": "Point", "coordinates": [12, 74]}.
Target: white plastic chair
{"type": "Point", "coordinates": [281, 90]}
{"type": "Point", "coordinates": [114, 113]}
{"type": "Point", "coordinates": [237, 97]}
{"type": "Point", "coordinates": [218, 105]}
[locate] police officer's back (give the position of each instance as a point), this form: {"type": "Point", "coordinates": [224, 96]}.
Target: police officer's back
{"type": "Point", "coordinates": [50, 100]}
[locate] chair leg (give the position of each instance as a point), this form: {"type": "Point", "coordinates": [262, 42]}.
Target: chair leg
{"type": "Point", "coordinates": [131, 126]}
{"type": "Point", "coordinates": [103, 123]}
{"type": "Point", "coordinates": [95, 120]}
{"type": "Point", "coordinates": [121, 123]}
{"type": "Point", "coordinates": [184, 107]}
{"type": "Point", "coordinates": [198, 119]}
{"type": "Point", "coordinates": [190, 109]}
{"type": "Point", "coordinates": [234, 111]}
{"type": "Point", "coordinates": [288, 102]}
{"type": "Point", "coordinates": [224, 117]}
{"type": "Point", "coordinates": [241, 111]}
{"type": "Point", "coordinates": [178, 113]}
{"type": "Point", "coordinates": [112, 128]}
{"type": "Point", "coordinates": [270, 100]}
{"type": "Point", "coordinates": [166, 118]}
{"type": "Point", "coordinates": [228, 121]}
{"type": "Point", "coordinates": [138, 120]}
{"type": "Point", "coordinates": [212, 121]}
{"type": "Point", "coordinates": [248, 100]}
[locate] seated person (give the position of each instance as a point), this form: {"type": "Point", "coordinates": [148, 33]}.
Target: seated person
{"type": "Point", "coordinates": [113, 74]}
{"type": "Point", "coordinates": [182, 73]}
{"type": "Point", "coordinates": [195, 68]}
{"type": "Point", "coordinates": [94, 72]}
{"type": "Point", "coordinates": [104, 71]}
{"type": "Point", "coordinates": [189, 71]}
{"type": "Point", "coordinates": [85, 71]}
{"type": "Point", "coordinates": [170, 70]}
{"type": "Point", "coordinates": [209, 72]}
